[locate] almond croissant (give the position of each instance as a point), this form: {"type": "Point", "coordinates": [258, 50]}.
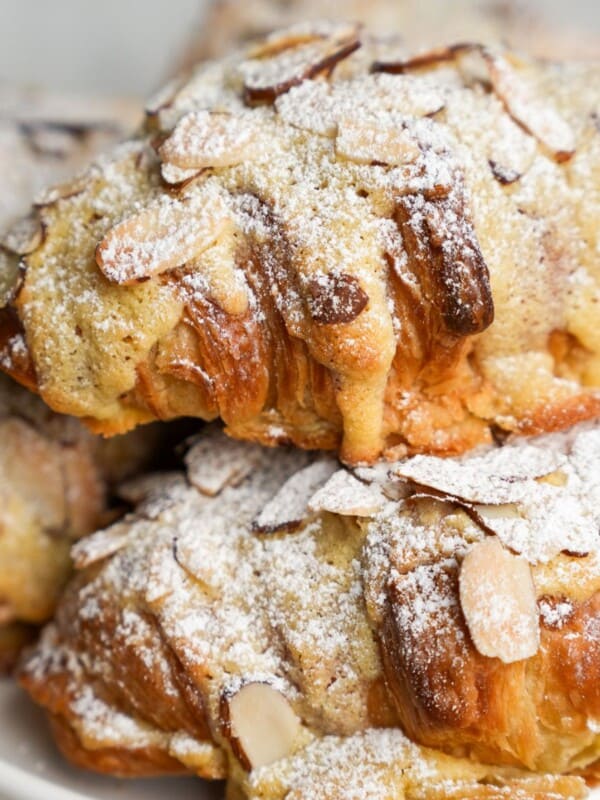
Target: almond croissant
{"type": "Point", "coordinates": [274, 611]}
{"type": "Point", "coordinates": [311, 240]}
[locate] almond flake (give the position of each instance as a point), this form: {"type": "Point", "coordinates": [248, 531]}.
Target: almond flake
{"type": "Point", "coordinates": [209, 139]}
{"type": "Point", "coordinates": [175, 176]}
{"type": "Point", "coordinates": [161, 237]}
{"type": "Point", "coordinates": [289, 507]}
{"type": "Point", "coordinates": [335, 298]}
{"type": "Point", "coordinates": [215, 462]}
{"type": "Point", "coordinates": [345, 495]}
{"type": "Point", "coordinates": [24, 236]}
{"type": "Point", "coordinates": [260, 724]}
{"type": "Point", "coordinates": [101, 545]}
{"type": "Point", "coordinates": [535, 115]}
{"type": "Point", "coordinates": [288, 64]}
{"type": "Point", "coordinates": [497, 596]}
{"type": "Point", "coordinates": [367, 142]}
{"type": "Point", "coordinates": [497, 477]}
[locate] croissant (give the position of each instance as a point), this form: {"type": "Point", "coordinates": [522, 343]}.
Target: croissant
{"type": "Point", "coordinates": [272, 614]}
{"type": "Point", "coordinates": [311, 239]}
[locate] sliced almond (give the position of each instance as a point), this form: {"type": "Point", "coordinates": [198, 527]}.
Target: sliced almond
{"type": "Point", "coordinates": [548, 520]}
{"type": "Point", "coordinates": [175, 176]}
{"type": "Point", "coordinates": [319, 106]}
{"type": "Point", "coordinates": [502, 475]}
{"type": "Point", "coordinates": [497, 596]}
{"type": "Point", "coordinates": [215, 461]}
{"type": "Point", "coordinates": [292, 61]}
{"type": "Point", "coordinates": [63, 191]}
{"type": "Point", "coordinates": [345, 495]}
{"type": "Point", "coordinates": [260, 724]}
{"type": "Point", "coordinates": [209, 139]}
{"type": "Point", "coordinates": [24, 236]}
{"type": "Point", "coordinates": [290, 505]}
{"type": "Point", "coordinates": [367, 142]}
{"type": "Point", "coordinates": [161, 237]}
{"type": "Point", "coordinates": [530, 111]}
{"type": "Point", "coordinates": [335, 298]}
{"type": "Point", "coordinates": [101, 545]}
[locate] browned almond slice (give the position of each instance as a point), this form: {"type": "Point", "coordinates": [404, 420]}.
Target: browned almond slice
{"type": "Point", "coordinates": [210, 139]}
{"type": "Point", "coordinates": [101, 544]}
{"type": "Point", "coordinates": [161, 237]}
{"type": "Point", "coordinates": [176, 176]}
{"type": "Point", "coordinates": [289, 507]}
{"type": "Point", "coordinates": [535, 115]}
{"type": "Point", "coordinates": [497, 596]}
{"type": "Point", "coordinates": [427, 58]}
{"type": "Point", "coordinates": [62, 191]}
{"type": "Point", "coordinates": [345, 495]}
{"type": "Point", "coordinates": [280, 68]}
{"type": "Point", "coordinates": [335, 298]}
{"type": "Point", "coordinates": [260, 724]}
{"type": "Point", "coordinates": [368, 142]}
{"type": "Point", "coordinates": [215, 462]}
{"type": "Point", "coordinates": [24, 236]}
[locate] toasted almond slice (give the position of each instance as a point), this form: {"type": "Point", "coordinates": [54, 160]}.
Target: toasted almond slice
{"type": "Point", "coordinates": [161, 237]}
{"type": "Point", "coordinates": [63, 191]}
{"type": "Point", "coordinates": [535, 115]}
{"type": "Point", "coordinates": [101, 545]}
{"type": "Point", "coordinates": [24, 236]}
{"type": "Point", "coordinates": [345, 495]}
{"type": "Point", "coordinates": [260, 724]}
{"type": "Point", "coordinates": [498, 600]}
{"type": "Point", "coordinates": [365, 142]}
{"type": "Point", "coordinates": [289, 507]}
{"type": "Point", "coordinates": [335, 298]}
{"type": "Point", "coordinates": [176, 176]}
{"type": "Point", "coordinates": [210, 139]}
{"type": "Point", "coordinates": [281, 66]}
{"type": "Point", "coordinates": [215, 462]}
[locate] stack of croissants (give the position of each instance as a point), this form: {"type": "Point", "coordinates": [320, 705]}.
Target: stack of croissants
{"type": "Point", "coordinates": [365, 278]}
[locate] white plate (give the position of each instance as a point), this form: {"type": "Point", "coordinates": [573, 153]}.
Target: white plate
{"type": "Point", "coordinates": [31, 769]}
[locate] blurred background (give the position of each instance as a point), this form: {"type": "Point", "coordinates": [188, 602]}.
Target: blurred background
{"type": "Point", "coordinates": [131, 46]}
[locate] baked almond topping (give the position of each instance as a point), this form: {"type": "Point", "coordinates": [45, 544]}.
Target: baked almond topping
{"type": "Point", "coordinates": [498, 600]}
{"type": "Point", "coordinates": [346, 495]}
{"type": "Point", "coordinates": [24, 236]}
{"type": "Point", "coordinates": [260, 724]}
{"type": "Point", "coordinates": [534, 114]}
{"type": "Point", "coordinates": [288, 508]}
{"type": "Point", "coordinates": [294, 60]}
{"type": "Point", "coordinates": [210, 139]}
{"type": "Point", "coordinates": [335, 298]}
{"type": "Point", "coordinates": [381, 142]}
{"type": "Point", "coordinates": [161, 237]}
{"type": "Point", "coordinates": [214, 462]}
